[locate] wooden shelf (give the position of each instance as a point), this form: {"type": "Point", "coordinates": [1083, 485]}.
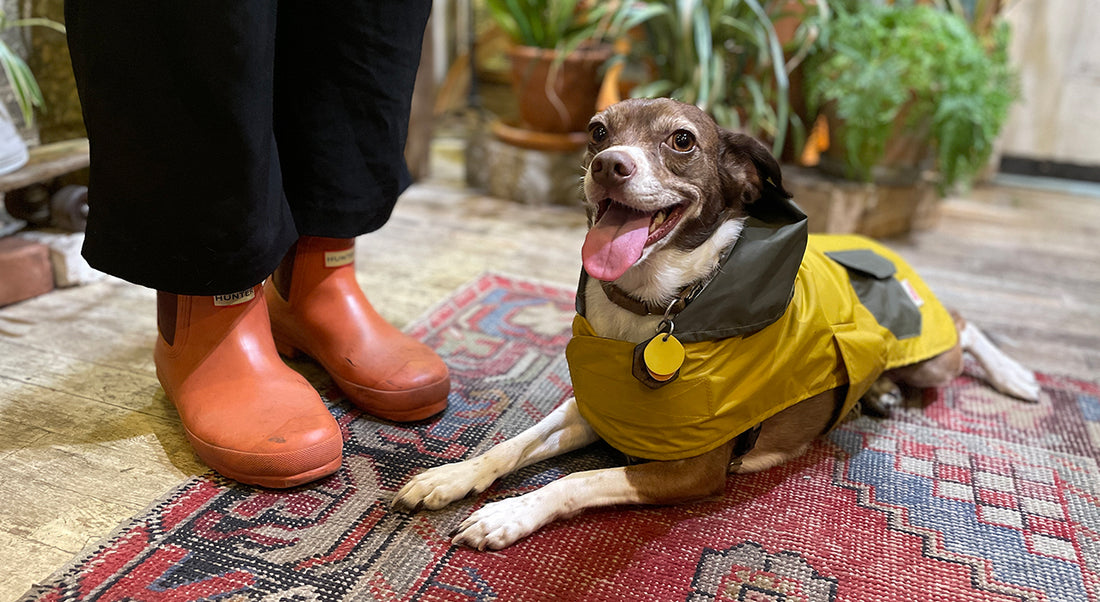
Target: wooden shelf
{"type": "Point", "coordinates": [46, 162]}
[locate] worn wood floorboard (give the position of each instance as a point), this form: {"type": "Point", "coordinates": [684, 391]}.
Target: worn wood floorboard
{"type": "Point", "coordinates": [87, 438]}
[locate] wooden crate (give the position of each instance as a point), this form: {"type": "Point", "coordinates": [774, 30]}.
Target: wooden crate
{"type": "Point", "coordinates": [835, 205]}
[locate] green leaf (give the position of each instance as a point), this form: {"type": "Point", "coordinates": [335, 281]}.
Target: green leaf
{"type": "Point", "coordinates": [654, 89]}
{"type": "Point", "coordinates": [35, 22]}
{"type": "Point", "coordinates": [27, 93]}
{"type": "Point", "coordinates": [704, 52]}
{"type": "Point", "coordinates": [25, 88]}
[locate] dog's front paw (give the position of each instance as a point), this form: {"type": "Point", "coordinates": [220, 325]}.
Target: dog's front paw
{"type": "Point", "coordinates": [501, 524]}
{"type": "Point", "coordinates": [436, 487]}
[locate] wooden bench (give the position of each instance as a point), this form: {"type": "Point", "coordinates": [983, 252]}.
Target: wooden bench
{"type": "Point", "coordinates": [30, 193]}
{"type": "Point", "coordinates": [47, 162]}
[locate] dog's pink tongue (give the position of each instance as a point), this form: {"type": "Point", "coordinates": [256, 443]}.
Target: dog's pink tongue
{"type": "Point", "coordinates": [615, 243]}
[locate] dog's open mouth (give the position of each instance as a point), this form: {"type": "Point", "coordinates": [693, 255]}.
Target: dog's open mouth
{"type": "Point", "coordinates": [621, 234]}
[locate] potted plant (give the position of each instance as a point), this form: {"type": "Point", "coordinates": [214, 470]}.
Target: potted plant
{"type": "Point", "coordinates": [559, 49]}
{"type": "Point", "coordinates": [727, 57]}
{"type": "Point", "coordinates": [13, 150]}
{"type": "Point", "coordinates": [907, 85]}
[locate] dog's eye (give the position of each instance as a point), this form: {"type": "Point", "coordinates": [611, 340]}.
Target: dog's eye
{"type": "Point", "coordinates": [682, 141]}
{"type": "Point", "coordinates": [597, 133]}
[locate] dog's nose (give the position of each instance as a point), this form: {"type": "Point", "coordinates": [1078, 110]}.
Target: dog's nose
{"type": "Point", "coordinates": [611, 168]}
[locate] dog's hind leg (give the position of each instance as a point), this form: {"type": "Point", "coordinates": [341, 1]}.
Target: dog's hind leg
{"type": "Point", "coordinates": [561, 431]}
{"type": "Point", "coordinates": [938, 371]}
{"type": "Point", "coordinates": [1004, 373]}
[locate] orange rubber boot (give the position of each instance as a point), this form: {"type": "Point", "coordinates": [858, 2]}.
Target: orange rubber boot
{"type": "Point", "coordinates": [247, 414]}
{"type": "Point", "coordinates": [317, 307]}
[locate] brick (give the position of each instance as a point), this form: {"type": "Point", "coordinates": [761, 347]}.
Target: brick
{"type": "Point", "coordinates": [25, 270]}
{"type": "Point", "coordinates": [69, 267]}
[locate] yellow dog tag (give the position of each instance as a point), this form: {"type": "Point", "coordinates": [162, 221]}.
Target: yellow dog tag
{"type": "Point", "coordinates": [663, 356]}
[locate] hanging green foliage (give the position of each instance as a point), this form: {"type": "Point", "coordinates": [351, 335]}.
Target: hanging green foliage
{"type": "Point", "coordinates": [27, 93]}
{"type": "Point", "coordinates": [726, 57]}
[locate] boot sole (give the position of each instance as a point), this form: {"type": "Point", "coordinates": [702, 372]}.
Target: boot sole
{"type": "Point", "coordinates": [205, 451]}
{"type": "Point", "coordinates": [286, 482]}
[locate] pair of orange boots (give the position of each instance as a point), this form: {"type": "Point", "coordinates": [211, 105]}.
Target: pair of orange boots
{"type": "Point", "coordinates": [246, 413]}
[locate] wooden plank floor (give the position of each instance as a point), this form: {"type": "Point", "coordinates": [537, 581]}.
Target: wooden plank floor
{"type": "Point", "coordinates": [87, 438]}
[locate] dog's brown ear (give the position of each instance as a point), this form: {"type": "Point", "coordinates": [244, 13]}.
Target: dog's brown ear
{"type": "Point", "coordinates": [748, 170]}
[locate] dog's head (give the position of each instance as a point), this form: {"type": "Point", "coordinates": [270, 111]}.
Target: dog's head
{"type": "Point", "coordinates": [661, 174]}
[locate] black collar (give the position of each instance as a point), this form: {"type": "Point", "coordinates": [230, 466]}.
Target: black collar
{"type": "Point", "coordinates": [648, 308]}
{"type": "Point", "coordinates": [753, 285]}
{"type": "Point", "coordinates": [643, 308]}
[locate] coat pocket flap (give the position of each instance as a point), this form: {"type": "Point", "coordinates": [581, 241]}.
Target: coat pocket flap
{"type": "Point", "coordinates": [864, 261]}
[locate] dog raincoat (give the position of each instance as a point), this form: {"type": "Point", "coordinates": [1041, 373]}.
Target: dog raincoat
{"type": "Point", "coordinates": [787, 316]}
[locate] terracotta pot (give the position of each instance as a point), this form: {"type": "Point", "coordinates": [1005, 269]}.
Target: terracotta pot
{"type": "Point", "coordinates": [569, 101]}
{"type": "Point", "coordinates": [543, 141]}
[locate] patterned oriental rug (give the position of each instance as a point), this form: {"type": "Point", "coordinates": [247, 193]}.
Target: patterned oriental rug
{"type": "Point", "coordinates": [962, 495]}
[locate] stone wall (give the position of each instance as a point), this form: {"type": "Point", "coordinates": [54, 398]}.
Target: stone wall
{"type": "Point", "coordinates": [49, 60]}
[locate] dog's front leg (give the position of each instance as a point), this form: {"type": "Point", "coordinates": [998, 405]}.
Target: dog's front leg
{"type": "Point", "coordinates": [502, 523]}
{"type": "Point", "coordinates": [561, 431]}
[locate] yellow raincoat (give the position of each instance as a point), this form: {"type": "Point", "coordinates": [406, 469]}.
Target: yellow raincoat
{"type": "Point", "coordinates": [823, 336]}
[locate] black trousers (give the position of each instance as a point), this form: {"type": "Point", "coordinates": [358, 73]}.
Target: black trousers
{"type": "Point", "coordinates": [222, 130]}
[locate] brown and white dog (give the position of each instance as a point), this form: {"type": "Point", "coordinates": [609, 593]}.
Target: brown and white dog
{"type": "Point", "coordinates": [688, 183]}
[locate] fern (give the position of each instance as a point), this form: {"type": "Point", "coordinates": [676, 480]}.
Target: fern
{"type": "Point", "coordinates": [885, 59]}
